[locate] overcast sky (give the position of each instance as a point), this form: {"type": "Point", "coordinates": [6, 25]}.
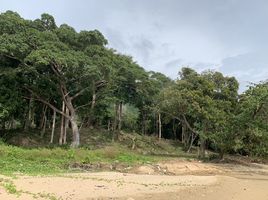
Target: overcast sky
{"type": "Point", "coordinates": [163, 35]}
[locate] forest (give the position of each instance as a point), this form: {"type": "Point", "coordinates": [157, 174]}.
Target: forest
{"type": "Point", "coordinates": [54, 79]}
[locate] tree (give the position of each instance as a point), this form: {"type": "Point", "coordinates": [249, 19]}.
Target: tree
{"type": "Point", "coordinates": [44, 59]}
{"type": "Point", "coordinates": [204, 104]}
{"type": "Point", "coordinates": [251, 121]}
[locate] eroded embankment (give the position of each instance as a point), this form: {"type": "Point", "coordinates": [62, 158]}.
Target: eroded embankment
{"type": "Point", "coordinates": [169, 180]}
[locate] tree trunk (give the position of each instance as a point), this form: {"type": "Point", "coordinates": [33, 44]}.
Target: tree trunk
{"type": "Point", "coordinates": [43, 116]}
{"type": "Point", "coordinates": [93, 101]}
{"type": "Point", "coordinates": [62, 126]}
{"type": "Point", "coordinates": [73, 121]}
{"type": "Point", "coordinates": [53, 127]}
{"type": "Point", "coordinates": [82, 124]}
{"type": "Point", "coordinates": [202, 148]}
{"type": "Point", "coordinates": [155, 125]}
{"type": "Point", "coordinates": [120, 111]}
{"type": "Point", "coordinates": [10, 124]}
{"type": "Point", "coordinates": [43, 131]}
{"type": "Point", "coordinates": [72, 118]}
{"type": "Point", "coordinates": [43, 123]}
{"type": "Point", "coordinates": [221, 154]}
{"type": "Point", "coordinates": [191, 143]}
{"type": "Point", "coordinates": [48, 120]}
{"type": "Point", "coordinates": [144, 128]}
{"type": "Point", "coordinates": [29, 116]}
{"type": "Point", "coordinates": [13, 124]}
{"type": "Point", "coordinates": [66, 125]}
{"type": "Point", "coordinates": [3, 125]}
{"type": "Point", "coordinates": [174, 129]}
{"type": "Point", "coordinates": [75, 130]}
{"type": "Point", "coordinates": [159, 126]}
{"type": "Point", "coordinates": [183, 133]}
{"type": "Point", "coordinates": [115, 117]}
{"type": "Point", "coordinates": [67, 99]}
{"type": "Point", "coordinates": [32, 118]}
{"type": "Point", "coordinates": [108, 125]}
{"type": "Point", "coordinates": [91, 119]}
{"type": "Point", "coordinates": [116, 122]}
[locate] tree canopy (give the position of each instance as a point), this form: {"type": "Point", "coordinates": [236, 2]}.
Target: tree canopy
{"type": "Point", "coordinates": [53, 76]}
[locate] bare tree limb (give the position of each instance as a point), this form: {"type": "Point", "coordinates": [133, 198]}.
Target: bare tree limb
{"type": "Point", "coordinates": [78, 107]}
{"type": "Point", "coordinates": [79, 93]}
{"type": "Point", "coordinates": [188, 125]}
{"type": "Point", "coordinates": [38, 98]}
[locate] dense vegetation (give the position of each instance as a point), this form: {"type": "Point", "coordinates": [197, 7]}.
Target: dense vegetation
{"type": "Point", "coordinates": [54, 78]}
{"type": "Point", "coordinates": [37, 158]}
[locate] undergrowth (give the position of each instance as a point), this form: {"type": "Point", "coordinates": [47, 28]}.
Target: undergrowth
{"type": "Point", "coordinates": [57, 160]}
{"type": "Point", "coordinates": [96, 148]}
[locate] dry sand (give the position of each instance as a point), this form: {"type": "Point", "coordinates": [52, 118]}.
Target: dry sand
{"type": "Point", "coordinates": [186, 180]}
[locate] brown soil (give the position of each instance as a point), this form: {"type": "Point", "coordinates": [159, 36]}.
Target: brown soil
{"type": "Point", "coordinates": [172, 180]}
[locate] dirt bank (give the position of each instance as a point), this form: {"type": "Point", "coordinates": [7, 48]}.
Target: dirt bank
{"type": "Point", "coordinates": [201, 181]}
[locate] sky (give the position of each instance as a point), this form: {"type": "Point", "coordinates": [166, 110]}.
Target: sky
{"type": "Point", "coordinates": [230, 36]}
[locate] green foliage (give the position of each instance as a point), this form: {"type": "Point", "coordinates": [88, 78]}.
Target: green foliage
{"type": "Point", "coordinates": [11, 22]}
{"type": "Point", "coordinates": [130, 117]}
{"type": "Point", "coordinates": [43, 65]}
{"type": "Point", "coordinates": [3, 112]}
{"type": "Point", "coordinates": [57, 160]}
{"type": "Point", "coordinates": [206, 103]}
{"type": "Point", "coordinates": [252, 118]}
{"type": "Point", "coordinates": [10, 188]}
{"type": "Point", "coordinates": [48, 22]}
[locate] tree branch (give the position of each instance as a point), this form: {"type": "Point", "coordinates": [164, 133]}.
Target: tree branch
{"type": "Point", "coordinates": [188, 125]}
{"type": "Point", "coordinates": [38, 98]}
{"type": "Point", "coordinates": [65, 94]}
{"type": "Point", "coordinates": [100, 83]}
{"type": "Point", "coordinates": [14, 58]}
{"type": "Point", "coordinates": [78, 107]}
{"type": "Point", "coordinates": [184, 119]}
{"type": "Point", "coordinates": [79, 93]}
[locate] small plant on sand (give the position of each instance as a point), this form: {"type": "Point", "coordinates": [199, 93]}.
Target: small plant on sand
{"type": "Point", "coordinates": [11, 188]}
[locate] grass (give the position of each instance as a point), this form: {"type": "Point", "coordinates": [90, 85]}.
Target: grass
{"type": "Point", "coordinates": [57, 160]}
{"type": "Point", "coordinates": [10, 188]}
{"type": "Point", "coordinates": [96, 148]}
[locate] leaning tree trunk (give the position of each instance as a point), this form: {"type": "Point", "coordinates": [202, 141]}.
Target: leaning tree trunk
{"type": "Point", "coordinates": [67, 99]}
{"type": "Point", "coordinates": [193, 136]}
{"type": "Point", "coordinates": [44, 122]}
